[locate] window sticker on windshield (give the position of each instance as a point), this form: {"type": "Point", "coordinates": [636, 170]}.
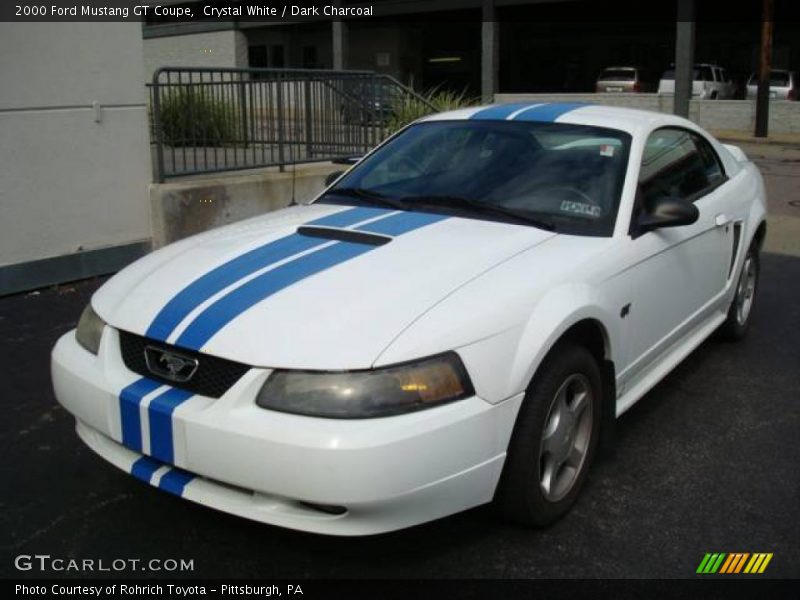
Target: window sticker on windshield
{"type": "Point", "coordinates": [606, 150]}
{"type": "Point", "coordinates": [580, 208]}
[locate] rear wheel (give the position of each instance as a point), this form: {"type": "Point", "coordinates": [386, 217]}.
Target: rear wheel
{"type": "Point", "coordinates": [738, 322]}
{"type": "Point", "coordinates": [554, 439]}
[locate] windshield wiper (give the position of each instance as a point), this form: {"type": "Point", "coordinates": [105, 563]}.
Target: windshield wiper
{"type": "Point", "coordinates": [370, 197]}
{"type": "Point", "coordinates": [478, 207]}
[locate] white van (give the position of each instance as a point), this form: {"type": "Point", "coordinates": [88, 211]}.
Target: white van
{"type": "Point", "coordinates": [709, 82]}
{"type": "Point", "coordinates": [782, 85]}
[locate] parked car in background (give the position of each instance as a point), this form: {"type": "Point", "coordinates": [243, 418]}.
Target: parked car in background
{"type": "Point", "coordinates": [368, 102]}
{"type": "Point", "coordinates": [709, 82]}
{"type": "Point", "coordinates": [629, 80]}
{"type": "Point", "coordinates": [782, 85]}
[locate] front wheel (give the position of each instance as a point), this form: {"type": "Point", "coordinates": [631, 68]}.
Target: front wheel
{"type": "Point", "coordinates": [554, 439]}
{"type": "Point", "coordinates": [738, 322]}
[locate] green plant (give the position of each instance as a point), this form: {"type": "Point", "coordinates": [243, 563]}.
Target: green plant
{"type": "Point", "coordinates": [410, 108]}
{"type": "Point", "coordinates": [192, 117]}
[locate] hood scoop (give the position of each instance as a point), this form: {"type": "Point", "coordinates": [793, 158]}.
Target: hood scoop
{"type": "Point", "coordinates": [343, 235]}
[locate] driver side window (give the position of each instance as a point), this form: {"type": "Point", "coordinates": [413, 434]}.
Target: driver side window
{"type": "Point", "coordinates": [677, 164]}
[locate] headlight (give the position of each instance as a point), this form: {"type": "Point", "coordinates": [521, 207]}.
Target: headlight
{"type": "Point", "coordinates": [90, 328]}
{"type": "Point", "coordinates": [363, 394]}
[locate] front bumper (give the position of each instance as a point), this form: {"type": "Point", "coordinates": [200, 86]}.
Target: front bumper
{"type": "Point", "coordinates": [386, 473]}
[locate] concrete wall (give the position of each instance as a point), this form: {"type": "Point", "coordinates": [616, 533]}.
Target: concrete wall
{"type": "Point", "coordinates": [183, 208]}
{"type": "Point", "coordinates": [74, 177]}
{"type": "Point", "coordinates": [717, 115]}
{"type": "Point", "coordinates": [212, 49]}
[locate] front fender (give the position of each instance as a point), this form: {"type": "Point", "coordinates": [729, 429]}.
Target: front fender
{"type": "Point", "coordinates": [504, 364]}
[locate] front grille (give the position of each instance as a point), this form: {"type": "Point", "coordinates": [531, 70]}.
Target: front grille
{"type": "Point", "coordinates": [213, 377]}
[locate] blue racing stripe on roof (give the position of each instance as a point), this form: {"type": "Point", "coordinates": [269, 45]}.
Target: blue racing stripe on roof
{"type": "Point", "coordinates": [175, 480]}
{"type": "Point", "coordinates": [548, 113]}
{"type": "Point", "coordinates": [144, 468]}
{"type": "Point", "coordinates": [201, 289]}
{"type": "Point", "coordinates": [131, 421]}
{"type": "Point", "coordinates": [500, 111]}
{"type": "Point", "coordinates": [159, 412]}
{"type": "Point", "coordinates": [227, 308]}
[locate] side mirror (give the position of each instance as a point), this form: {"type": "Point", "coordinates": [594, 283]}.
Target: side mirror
{"type": "Point", "coordinates": [333, 177]}
{"type": "Point", "coordinates": [666, 212]}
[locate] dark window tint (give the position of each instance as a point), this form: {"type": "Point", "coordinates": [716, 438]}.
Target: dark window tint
{"type": "Point", "coordinates": [570, 175]}
{"type": "Point", "coordinates": [711, 163]}
{"type": "Point", "coordinates": [276, 55]}
{"type": "Point", "coordinates": [776, 79]}
{"type": "Point", "coordinates": [309, 57]}
{"type": "Point", "coordinates": [618, 75]}
{"type": "Point", "coordinates": [779, 79]}
{"type": "Point", "coordinates": [257, 56]}
{"type": "Point", "coordinates": [677, 163]}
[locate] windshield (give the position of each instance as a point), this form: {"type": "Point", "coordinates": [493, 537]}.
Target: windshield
{"type": "Point", "coordinates": [776, 79]}
{"type": "Point", "coordinates": [618, 75]}
{"type": "Point", "coordinates": [565, 177]}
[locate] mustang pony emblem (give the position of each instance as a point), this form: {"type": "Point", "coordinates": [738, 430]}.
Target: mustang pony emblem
{"type": "Point", "coordinates": [170, 365]}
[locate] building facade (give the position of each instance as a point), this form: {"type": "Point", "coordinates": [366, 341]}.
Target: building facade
{"type": "Point", "coordinates": [74, 158]}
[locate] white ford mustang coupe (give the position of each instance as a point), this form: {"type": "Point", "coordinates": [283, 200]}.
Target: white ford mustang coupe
{"type": "Point", "coordinates": [453, 321]}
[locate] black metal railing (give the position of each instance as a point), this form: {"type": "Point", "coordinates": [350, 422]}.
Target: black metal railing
{"type": "Point", "coordinates": [204, 120]}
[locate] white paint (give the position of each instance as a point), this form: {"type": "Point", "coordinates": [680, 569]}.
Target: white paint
{"type": "Point", "coordinates": [74, 173]}
{"type": "Point", "coordinates": [500, 295]}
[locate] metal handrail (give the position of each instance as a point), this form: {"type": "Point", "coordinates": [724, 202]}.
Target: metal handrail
{"type": "Point", "coordinates": [210, 119]}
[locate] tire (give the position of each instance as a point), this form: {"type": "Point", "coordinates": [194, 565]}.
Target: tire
{"type": "Point", "coordinates": [741, 309]}
{"type": "Point", "coordinates": [713, 95]}
{"type": "Point", "coordinates": [546, 432]}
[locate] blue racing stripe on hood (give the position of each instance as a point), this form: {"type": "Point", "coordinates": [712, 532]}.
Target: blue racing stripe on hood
{"type": "Point", "coordinates": [547, 113]}
{"type": "Point", "coordinates": [350, 216]}
{"type": "Point", "coordinates": [499, 111]}
{"type": "Point", "coordinates": [201, 289]}
{"type": "Point", "coordinates": [131, 421]}
{"type": "Point", "coordinates": [209, 322]}
{"type": "Point", "coordinates": [227, 308]}
{"type": "Point", "coordinates": [397, 226]}
{"type": "Point", "coordinates": [159, 412]}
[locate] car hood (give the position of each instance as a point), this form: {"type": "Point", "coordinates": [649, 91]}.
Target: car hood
{"type": "Point", "coordinates": [264, 293]}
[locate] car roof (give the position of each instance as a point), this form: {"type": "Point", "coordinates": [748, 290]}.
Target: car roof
{"type": "Point", "coordinates": [576, 113]}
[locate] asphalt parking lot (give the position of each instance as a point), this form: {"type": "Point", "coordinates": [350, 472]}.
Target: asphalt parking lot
{"type": "Point", "coordinates": [709, 461]}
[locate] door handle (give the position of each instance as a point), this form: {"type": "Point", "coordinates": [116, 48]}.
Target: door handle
{"type": "Point", "coordinates": [722, 219]}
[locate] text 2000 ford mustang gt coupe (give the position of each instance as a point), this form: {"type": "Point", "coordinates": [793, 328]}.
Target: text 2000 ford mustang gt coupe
{"type": "Point", "coordinates": [453, 321]}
